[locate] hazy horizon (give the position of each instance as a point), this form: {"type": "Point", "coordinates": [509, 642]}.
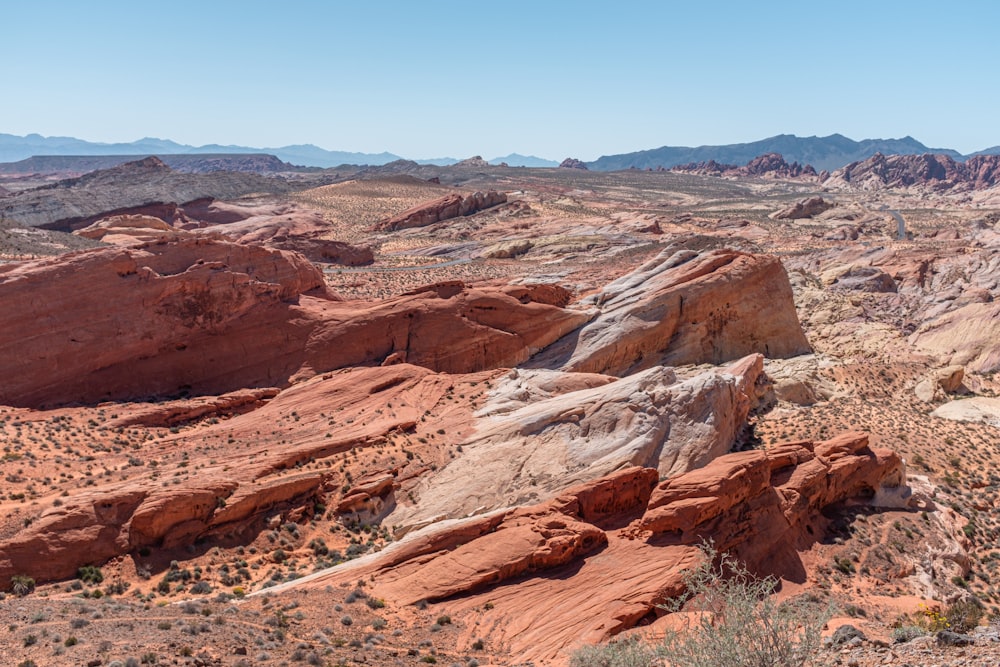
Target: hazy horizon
{"type": "Point", "coordinates": [448, 79]}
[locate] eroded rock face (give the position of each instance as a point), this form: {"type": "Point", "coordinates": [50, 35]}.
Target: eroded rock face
{"type": "Point", "coordinates": [768, 165]}
{"type": "Point", "coordinates": [686, 308]}
{"type": "Point", "coordinates": [283, 226]}
{"type": "Point", "coordinates": [543, 430]}
{"type": "Point", "coordinates": [806, 208]}
{"type": "Point", "coordinates": [964, 336]}
{"type": "Point", "coordinates": [606, 553]}
{"type": "Point", "coordinates": [934, 172]}
{"type": "Point", "coordinates": [204, 316]}
{"type": "Point", "coordinates": [444, 208]}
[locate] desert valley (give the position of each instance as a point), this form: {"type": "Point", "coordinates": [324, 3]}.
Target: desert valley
{"type": "Point", "coordinates": [476, 414]}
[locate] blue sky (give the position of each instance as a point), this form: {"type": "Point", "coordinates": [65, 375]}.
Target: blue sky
{"type": "Point", "coordinates": [432, 78]}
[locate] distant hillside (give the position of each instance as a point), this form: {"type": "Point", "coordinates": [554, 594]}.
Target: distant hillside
{"type": "Point", "coordinates": [14, 148]}
{"type": "Point", "coordinates": [995, 150]}
{"type": "Point", "coordinates": [73, 203]}
{"type": "Point", "coordinates": [518, 160]}
{"type": "Point", "coordinates": [827, 153]}
{"type": "Point", "coordinates": [251, 163]}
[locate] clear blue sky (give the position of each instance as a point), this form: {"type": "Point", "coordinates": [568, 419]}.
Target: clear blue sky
{"type": "Point", "coordinates": [424, 78]}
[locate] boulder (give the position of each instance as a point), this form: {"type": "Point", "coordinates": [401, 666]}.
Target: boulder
{"type": "Point", "coordinates": [860, 279]}
{"type": "Point", "coordinates": [939, 384]}
{"type": "Point", "coordinates": [807, 208]}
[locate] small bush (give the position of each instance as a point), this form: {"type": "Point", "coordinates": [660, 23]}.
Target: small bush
{"type": "Point", "coordinates": [90, 574]}
{"type": "Point", "coordinates": [906, 633]}
{"type": "Point", "coordinates": [964, 615]}
{"type": "Point", "coordinates": [737, 623]}
{"type": "Point", "coordinates": [631, 652]}
{"type": "Point", "coordinates": [22, 585]}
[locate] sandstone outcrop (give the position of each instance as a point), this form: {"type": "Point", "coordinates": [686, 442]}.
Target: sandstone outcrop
{"type": "Point", "coordinates": [114, 518]}
{"type": "Point", "coordinates": [859, 279]}
{"type": "Point", "coordinates": [443, 208]}
{"type": "Point", "coordinates": [939, 384]}
{"type": "Point", "coordinates": [964, 336]}
{"type": "Point", "coordinates": [201, 316]}
{"type": "Point", "coordinates": [930, 171]}
{"type": "Point", "coordinates": [975, 409]}
{"type": "Point", "coordinates": [130, 230]}
{"type": "Point", "coordinates": [476, 161]}
{"type": "Point", "coordinates": [573, 163]}
{"type": "Point", "coordinates": [807, 208]}
{"type": "Point", "coordinates": [283, 226]}
{"type": "Point", "coordinates": [768, 165]}
{"type": "Point", "coordinates": [131, 188]}
{"type": "Point", "coordinates": [685, 307]}
{"type": "Point", "coordinates": [589, 574]}
{"type": "Point", "coordinates": [542, 430]}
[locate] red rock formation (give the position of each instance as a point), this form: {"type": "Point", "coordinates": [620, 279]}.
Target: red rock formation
{"type": "Point", "coordinates": [686, 308]}
{"type": "Point", "coordinates": [806, 208]}
{"type": "Point", "coordinates": [476, 161]}
{"type": "Point", "coordinates": [594, 578]}
{"type": "Point", "coordinates": [282, 226]}
{"type": "Point", "coordinates": [573, 163]}
{"type": "Point", "coordinates": [206, 317]}
{"type": "Point", "coordinates": [110, 519]}
{"type": "Point", "coordinates": [170, 413]}
{"type": "Point", "coordinates": [935, 172]}
{"type": "Point", "coordinates": [443, 208]}
{"type": "Point", "coordinates": [769, 165]}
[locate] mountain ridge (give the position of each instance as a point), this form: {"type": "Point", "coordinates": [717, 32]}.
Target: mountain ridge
{"type": "Point", "coordinates": [830, 152]}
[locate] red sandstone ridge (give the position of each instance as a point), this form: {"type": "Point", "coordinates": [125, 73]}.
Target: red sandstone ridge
{"type": "Point", "coordinates": [282, 226]}
{"type": "Point", "coordinates": [686, 308]}
{"type": "Point", "coordinates": [543, 430]}
{"type": "Point", "coordinates": [936, 172]}
{"type": "Point", "coordinates": [598, 557]}
{"type": "Point", "coordinates": [206, 316]}
{"type": "Point", "coordinates": [444, 208]}
{"type": "Point", "coordinates": [770, 165]}
{"type": "Point", "coordinates": [112, 518]}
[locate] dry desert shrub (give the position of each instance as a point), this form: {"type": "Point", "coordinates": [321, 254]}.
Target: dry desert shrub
{"type": "Point", "coordinates": [737, 623]}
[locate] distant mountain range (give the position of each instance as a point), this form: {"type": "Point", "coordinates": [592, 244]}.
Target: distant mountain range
{"type": "Point", "coordinates": [14, 148]}
{"type": "Point", "coordinates": [828, 153]}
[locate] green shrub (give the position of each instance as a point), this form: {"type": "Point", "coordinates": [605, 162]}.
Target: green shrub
{"type": "Point", "coordinates": [21, 585]}
{"type": "Point", "coordinates": [630, 652]}
{"type": "Point", "coordinates": [964, 615]}
{"type": "Point", "coordinates": [905, 633]}
{"type": "Point", "coordinates": [89, 574]}
{"type": "Point", "coordinates": [736, 623]}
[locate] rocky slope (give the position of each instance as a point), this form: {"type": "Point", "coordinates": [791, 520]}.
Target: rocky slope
{"type": "Point", "coordinates": [599, 557]}
{"type": "Point", "coordinates": [445, 208]}
{"type": "Point", "coordinates": [928, 171]}
{"type": "Point", "coordinates": [769, 165]}
{"type": "Point", "coordinates": [827, 153]}
{"type": "Point", "coordinates": [205, 316]}
{"type": "Point", "coordinates": [73, 203]}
